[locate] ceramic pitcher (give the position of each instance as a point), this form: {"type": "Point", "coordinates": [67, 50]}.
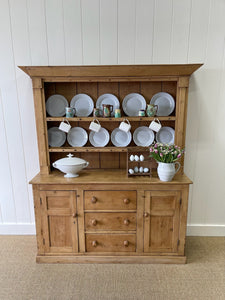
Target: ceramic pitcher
{"type": "Point", "coordinates": [166, 171]}
{"type": "Point", "coordinates": [107, 109]}
{"type": "Point", "coordinates": [151, 110]}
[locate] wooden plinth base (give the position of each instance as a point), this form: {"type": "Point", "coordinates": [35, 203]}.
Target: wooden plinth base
{"type": "Point", "coordinates": [113, 259]}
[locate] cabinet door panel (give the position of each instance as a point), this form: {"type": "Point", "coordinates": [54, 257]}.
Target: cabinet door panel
{"type": "Point", "coordinates": [161, 221]}
{"type": "Point", "coordinates": [59, 222]}
{"type": "Point", "coordinates": [60, 231]}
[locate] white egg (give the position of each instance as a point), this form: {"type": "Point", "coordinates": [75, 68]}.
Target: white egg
{"type": "Point", "coordinates": [136, 169]}
{"type": "Point", "coordinates": [131, 158]}
{"type": "Point", "coordinates": [131, 171]}
{"type": "Point", "coordinates": [141, 169]}
{"type": "Point", "coordinates": [136, 158]}
{"type": "Point", "coordinates": [142, 158]}
{"type": "Point", "coordinates": [146, 170]}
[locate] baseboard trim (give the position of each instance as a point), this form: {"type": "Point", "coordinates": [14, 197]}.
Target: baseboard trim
{"type": "Point", "coordinates": [205, 230]}
{"type": "Point", "coordinates": [192, 229]}
{"type": "Point", "coordinates": [17, 229]}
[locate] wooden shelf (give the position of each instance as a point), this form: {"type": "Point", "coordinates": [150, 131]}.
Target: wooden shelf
{"type": "Point", "coordinates": [89, 119]}
{"type": "Point", "coordinates": [88, 149]}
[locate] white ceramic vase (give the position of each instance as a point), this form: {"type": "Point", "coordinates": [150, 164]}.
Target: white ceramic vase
{"type": "Point", "coordinates": [166, 171]}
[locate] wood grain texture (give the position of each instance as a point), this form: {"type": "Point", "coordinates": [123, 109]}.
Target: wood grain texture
{"type": "Point", "coordinates": [113, 259]}
{"type": "Point", "coordinates": [106, 177]}
{"type": "Point", "coordinates": [98, 221]}
{"type": "Point", "coordinates": [112, 71]}
{"type": "Point", "coordinates": [111, 242]}
{"type": "Point", "coordinates": [110, 200]}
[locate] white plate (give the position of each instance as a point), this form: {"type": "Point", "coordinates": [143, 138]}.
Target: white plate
{"type": "Point", "coordinates": [83, 105]}
{"type": "Point", "coordinates": [99, 139]}
{"type": "Point", "coordinates": [108, 99]}
{"type": "Point", "coordinates": [120, 138]}
{"type": "Point", "coordinates": [143, 136]}
{"type": "Point", "coordinates": [56, 106]}
{"type": "Point", "coordinates": [165, 102]}
{"type": "Point", "coordinates": [165, 135]}
{"type": "Point", "coordinates": [132, 103]}
{"type": "Point", "coordinates": [77, 137]}
{"type": "Point", "coordinates": [56, 137]}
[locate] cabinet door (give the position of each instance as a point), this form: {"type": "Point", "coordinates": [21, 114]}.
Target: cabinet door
{"type": "Point", "coordinates": [161, 221]}
{"type": "Point", "coordinates": [59, 221]}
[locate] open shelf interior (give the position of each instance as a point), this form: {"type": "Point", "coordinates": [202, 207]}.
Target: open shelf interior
{"type": "Point", "coordinates": [120, 89]}
{"type": "Point", "coordinates": [108, 157]}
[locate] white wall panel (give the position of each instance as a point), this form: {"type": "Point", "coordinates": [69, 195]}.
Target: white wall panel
{"type": "Point", "coordinates": [144, 31]}
{"type": "Point", "coordinates": [196, 53]}
{"type": "Point", "coordinates": [55, 32]}
{"type": "Point", "coordinates": [37, 32]}
{"type": "Point", "coordinates": [126, 31]}
{"type": "Point", "coordinates": [59, 32]}
{"type": "Point", "coordinates": [162, 31]}
{"type": "Point", "coordinates": [91, 32]}
{"type": "Point", "coordinates": [72, 32]}
{"type": "Point", "coordinates": [108, 32]}
{"type": "Point", "coordinates": [180, 31]}
{"type": "Point", "coordinates": [13, 126]}
{"type": "Point", "coordinates": [8, 213]}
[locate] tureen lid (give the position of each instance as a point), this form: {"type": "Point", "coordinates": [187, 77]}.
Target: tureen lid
{"type": "Point", "coordinates": [70, 160]}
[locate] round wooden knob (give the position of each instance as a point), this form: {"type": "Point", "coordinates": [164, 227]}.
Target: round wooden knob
{"type": "Point", "coordinates": [126, 222]}
{"type": "Point", "coordinates": [93, 199]}
{"type": "Point", "coordinates": [145, 214]}
{"type": "Point", "coordinates": [126, 243]}
{"type": "Point", "coordinates": [94, 243]}
{"type": "Point", "coordinates": [74, 215]}
{"type": "Point", "coordinates": [94, 222]}
{"type": "Point", "coordinates": [126, 201]}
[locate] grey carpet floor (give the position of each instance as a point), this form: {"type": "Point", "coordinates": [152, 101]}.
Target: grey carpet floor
{"type": "Point", "coordinates": [203, 277]}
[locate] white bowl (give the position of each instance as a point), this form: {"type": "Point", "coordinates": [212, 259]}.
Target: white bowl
{"type": "Point", "coordinates": [71, 165]}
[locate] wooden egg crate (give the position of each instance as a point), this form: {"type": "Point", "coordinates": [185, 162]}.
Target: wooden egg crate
{"type": "Point", "coordinates": [146, 163]}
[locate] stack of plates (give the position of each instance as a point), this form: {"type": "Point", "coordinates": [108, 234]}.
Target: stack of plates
{"type": "Point", "coordinates": [77, 137]}
{"type": "Point", "coordinates": [132, 103]}
{"type": "Point", "coordinates": [143, 136]}
{"type": "Point", "coordinates": [83, 105]}
{"type": "Point", "coordinates": [56, 137]}
{"type": "Point", "coordinates": [108, 99]}
{"type": "Point", "coordinates": [56, 106]}
{"type": "Point", "coordinates": [99, 139]}
{"type": "Point", "coordinates": [120, 138]}
{"type": "Point", "coordinates": [165, 102]}
{"type": "Point", "coordinates": [165, 135]}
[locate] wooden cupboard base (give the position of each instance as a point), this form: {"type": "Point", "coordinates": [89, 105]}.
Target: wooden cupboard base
{"type": "Point", "coordinates": [112, 259]}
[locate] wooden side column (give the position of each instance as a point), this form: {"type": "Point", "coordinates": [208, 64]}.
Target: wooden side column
{"type": "Point", "coordinates": [181, 115]}
{"type": "Point", "coordinates": [39, 105]}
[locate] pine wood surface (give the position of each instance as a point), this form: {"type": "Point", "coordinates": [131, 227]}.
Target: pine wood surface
{"type": "Point", "coordinates": [111, 70]}
{"type": "Point", "coordinates": [103, 213]}
{"type": "Point", "coordinates": [106, 177]}
{"type": "Point", "coordinates": [112, 259]}
{"type": "Point", "coordinates": [110, 221]}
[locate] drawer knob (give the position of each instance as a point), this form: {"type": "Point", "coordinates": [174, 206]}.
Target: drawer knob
{"type": "Point", "coordinates": [94, 243]}
{"type": "Point", "coordinates": [126, 201]}
{"type": "Point", "coordinates": [93, 199]}
{"type": "Point", "coordinates": [74, 215]}
{"type": "Point", "coordinates": [145, 214]}
{"type": "Point", "coordinates": [126, 243]}
{"type": "Point", "coordinates": [94, 222]}
{"type": "Point", "coordinates": [126, 222]}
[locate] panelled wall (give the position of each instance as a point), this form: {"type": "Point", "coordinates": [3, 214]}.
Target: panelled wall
{"type": "Point", "coordinates": [71, 32]}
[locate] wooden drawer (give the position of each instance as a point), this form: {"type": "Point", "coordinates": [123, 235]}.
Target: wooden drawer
{"type": "Point", "coordinates": [110, 242]}
{"type": "Point", "coordinates": [110, 221]}
{"type": "Point", "coordinates": [110, 200]}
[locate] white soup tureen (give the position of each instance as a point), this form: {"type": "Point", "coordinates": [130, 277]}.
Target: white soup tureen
{"type": "Point", "coordinates": [70, 165]}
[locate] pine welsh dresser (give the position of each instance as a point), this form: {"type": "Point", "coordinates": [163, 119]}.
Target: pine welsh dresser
{"type": "Point", "coordinates": [105, 216]}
